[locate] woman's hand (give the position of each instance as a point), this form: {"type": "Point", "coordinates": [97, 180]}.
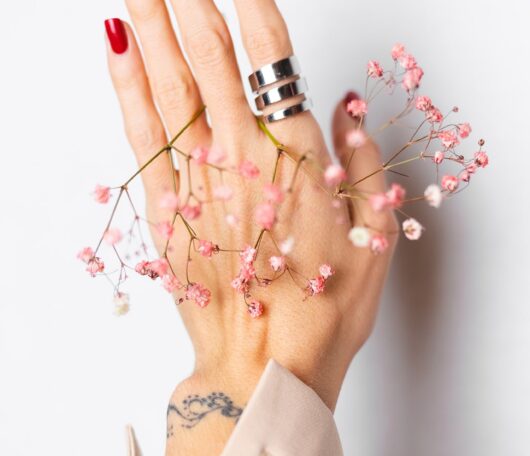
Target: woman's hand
{"type": "Point", "coordinates": [315, 338]}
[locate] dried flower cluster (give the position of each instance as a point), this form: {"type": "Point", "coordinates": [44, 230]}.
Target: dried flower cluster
{"type": "Point", "coordinates": [434, 140]}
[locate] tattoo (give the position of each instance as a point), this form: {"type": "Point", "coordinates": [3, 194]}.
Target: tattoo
{"type": "Point", "coordinates": [195, 408]}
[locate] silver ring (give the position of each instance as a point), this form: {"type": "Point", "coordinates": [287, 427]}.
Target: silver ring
{"type": "Point", "coordinates": [306, 105]}
{"type": "Point", "coordinates": [274, 72]}
{"type": "Point", "coordinates": [289, 90]}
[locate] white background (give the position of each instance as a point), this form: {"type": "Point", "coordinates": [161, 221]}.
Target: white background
{"type": "Point", "coordinates": [447, 370]}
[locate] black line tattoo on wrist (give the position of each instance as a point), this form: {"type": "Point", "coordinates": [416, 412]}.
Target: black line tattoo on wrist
{"type": "Point", "coordinates": [195, 408]}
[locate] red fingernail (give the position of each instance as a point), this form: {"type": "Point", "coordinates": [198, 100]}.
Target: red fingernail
{"type": "Point", "coordinates": [350, 96]}
{"type": "Point", "coordinates": [117, 35]}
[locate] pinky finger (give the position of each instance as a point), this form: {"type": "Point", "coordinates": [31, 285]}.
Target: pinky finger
{"type": "Point", "coordinates": [143, 126]}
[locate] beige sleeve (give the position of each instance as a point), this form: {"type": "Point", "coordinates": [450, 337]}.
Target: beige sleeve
{"type": "Point", "coordinates": [284, 417]}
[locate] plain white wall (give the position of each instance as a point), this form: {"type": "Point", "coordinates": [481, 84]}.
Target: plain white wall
{"type": "Point", "coordinates": [447, 370]}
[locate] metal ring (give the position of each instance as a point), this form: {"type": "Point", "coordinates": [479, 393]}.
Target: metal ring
{"type": "Point", "coordinates": [306, 105]}
{"type": "Point", "coordinates": [274, 72]}
{"type": "Point", "coordinates": [289, 90]}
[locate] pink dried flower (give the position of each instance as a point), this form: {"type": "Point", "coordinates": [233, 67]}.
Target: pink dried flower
{"type": "Point", "coordinates": [198, 293]}
{"type": "Point", "coordinates": [191, 212]}
{"type": "Point", "coordinates": [112, 236]}
{"type": "Point", "coordinates": [359, 236]}
{"type": "Point", "coordinates": [248, 255]}
{"type": "Point", "coordinates": [438, 157]}
{"type": "Point", "coordinates": [465, 176]}
{"type": "Point", "coordinates": [356, 138]}
{"type": "Point", "coordinates": [326, 271]}
{"type": "Point", "coordinates": [407, 61]}
{"type": "Point", "coordinates": [449, 183]}
{"type": "Point", "coordinates": [397, 51]}
{"type": "Point", "coordinates": [86, 254]}
{"type": "Point", "coordinates": [94, 266]}
{"type": "Point", "coordinates": [199, 155]}
{"type": "Point", "coordinates": [255, 309]}
{"type": "Point", "coordinates": [423, 103]}
{"type": "Point", "coordinates": [273, 193]}
{"type": "Point", "coordinates": [223, 193]}
{"type": "Point", "coordinates": [378, 243]}
{"type": "Point", "coordinates": [433, 195]}
{"type": "Point", "coordinates": [277, 263]}
{"type": "Point", "coordinates": [374, 69]}
{"type": "Point", "coordinates": [143, 267]}
{"type": "Point", "coordinates": [265, 215]}
{"type": "Point", "coordinates": [171, 283]}
{"type": "Point", "coordinates": [216, 155]}
{"type": "Point", "coordinates": [378, 202]}
{"type": "Point", "coordinates": [165, 229]}
{"type": "Point", "coordinates": [472, 168]}
{"type": "Point", "coordinates": [448, 138]}
{"type": "Point", "coordinates": [334, 174]}
{"type": "Point", "coordinates": [434, 115]}
{"type": "Point", "coordinates": [395, 196]}
{"type": "Point", "coordinates": [248, 169]}
{"type": "Point", "coordinates": [169, 201]}
{"type": "Point", "coordinates": [121, 303]}
{"type": "Point", "coordinates": [101, 194]}
{"type": "Point", "coordinates": [316, 286]}
{"type": "Point", "coordinates": [464, 130]}
{"type": "Point", "coordinates": [412, 229]}
{"type": "Point", "coordinates": [412, 78]}
{"type": "Point", "coordinates": [207, 248]}
{"type": "Point", "coordinates": [287, 245]}
{"type": "Point", "coordinates": [160, 266]}
{"type": "Point", "coordinates": [481, 159]}
{"type": "Point", "coordinates": [357, 107]}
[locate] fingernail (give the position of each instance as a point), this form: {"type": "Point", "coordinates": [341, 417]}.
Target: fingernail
{"type": "Point", "coordinates": [350, 96]}
{"type": "Point", "coordinates": [117, 35]}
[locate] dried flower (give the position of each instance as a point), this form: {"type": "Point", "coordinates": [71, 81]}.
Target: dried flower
{"type": "Point", "coordinates": [171, 283]}
{"type": "Point", "coordinates": [433, 195]}
{"type": "Point", "coordinates": [464, 130]}
{"type": "Point", "coordinates": [169, 201]}
{"type": "Point", "coordinates": [378, 244]}
{"type": "Point", "coordinates": [265, 215]}
{"type": "Point", "coordinates": [397, 51]}
{"type": "Point", "coordinates": [438, 157]}
{"type": "Point", "coordinates": [481, 159]}
{"type": "Point", "coordinates": [165, 229]}
{"type": "Point", "coordinates": [326, 271]}
{"type": "Point", "coordinates": [412, 78]}
{"type": "Point", "coordinates": [121, 303]}
{"type": "Point", "coordinates": [94, 266]}
{"type": "Point", "coordinates": [450, 183]}
{"type": "Point", "coordinates": [86, 254]}
{"type": "Point", "coordinates": [273, 193]}
{"type": "Point", "coordinates": [101, 194]}
{"type": "Point", "coordinates": [255, 309]}
{"type": "Point", "coordinates": [112, 236]}
{"type": "Point", "coordinates": [316, 286]}
{"type": "Point", "coordinates": [334, 174]}
{"type": "Point", "coordinates": [199, 155]}
{"type": "Point", "coordinates": [199, 294]}
{"type": "Point", "coordinates": [207, 248]}
{"type": "Point", "coordinates": [359, 236]}
{"type": "Point", "coordinates": [412, 229]}
{"type": "Point", "coordinates": [356, 138]}
{"type": "Point", "coordinates": [374, 69]}
{"type": "Point", "coordinates": [277, 263]}
{"type": "Point", "coordinates": [423, 103]}
{"type": "Point", "coordinates": [248, 169]}
{"type": "Point", "coordinates": [357, 108]}
{"type": "Point", "coordinates": [191, 211]}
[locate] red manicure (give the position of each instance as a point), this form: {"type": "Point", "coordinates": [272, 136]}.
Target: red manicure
{"type": "Point", "coordinates": [350, 96]}
{"type": "Point", "coordinates": [117, 35]}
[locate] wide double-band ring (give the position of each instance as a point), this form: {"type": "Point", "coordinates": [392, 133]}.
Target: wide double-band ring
{"type": "Point", "coordinates": [284, 77]}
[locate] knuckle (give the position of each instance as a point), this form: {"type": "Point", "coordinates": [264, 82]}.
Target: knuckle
{"type": "Point", "coordinates": [125, 82]}
{"type": "Point", "coordinates": [208, 47]}
{"type": "Point", "coordinates": [142, 10]}
{"type": "Point", "coordinates": [172, 92]}
{"type": "Point", "coordinates": [145, 139]}
{"type": "Point", "coordinates": [267, 42]}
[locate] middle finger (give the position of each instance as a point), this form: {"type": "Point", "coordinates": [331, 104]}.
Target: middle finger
{"type": "Point", "coordinates": [209, 46]}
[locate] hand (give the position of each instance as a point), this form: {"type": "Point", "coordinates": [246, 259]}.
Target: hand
{"type": "Point", "coordinates": [315, 338]}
